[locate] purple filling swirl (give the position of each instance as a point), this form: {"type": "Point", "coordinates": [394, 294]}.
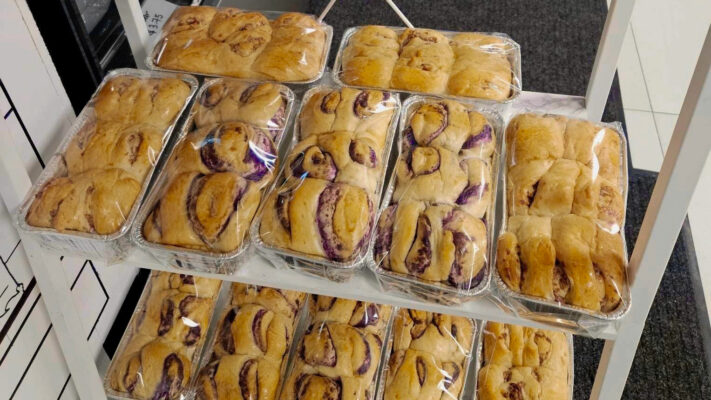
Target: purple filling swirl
{"type": "Point", "coordinates": [330, 102]}
{"type": "Point", "coordinates": [282, 209]}
{"type": "Point", "coordinates": [225, 338]}
{"type": "Point", "coordinates": [370, 315]}
{"type": "Point", "coordinates": [384, 238]}
{"type": "Point", "coordinates": [261, 155]}
{"type": "Point", "coordinates": [166, 317]}
{"type": "Point", "coordinates": [454, 372]}
{"type": "Point", "coordinates": [476, 140]}
{"type": "Point", "coordinates": [327, 201]}
{"type": "Point", "coordinates": [421, 368]}
{"type": "Point", "coordinates": [329, 389]}
{"type": "Point", "coordinates": [247, 93]}
{"type": "Point", "coordinates": [257, 330]}
{"type": "Point", "coordinates": [472, 191]}
{"type": "Point", "coordinates": [315, 163]}
{"type": "Point", "coordinates": [418, 261]}
{"type": "Point", "coordinates": [362, 154]}
{"type": "Point", "coordinates": [367, 359]}
{"type": "Point", "coordinates": [171, 381]}
{"type": "Point", "coordinates": [213, 95]}
{"type": "Point", "coordinates": [244, 379]}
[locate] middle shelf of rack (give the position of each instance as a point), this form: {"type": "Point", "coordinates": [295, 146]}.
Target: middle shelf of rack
{"type": "Point", "coordinates": [363, 286]}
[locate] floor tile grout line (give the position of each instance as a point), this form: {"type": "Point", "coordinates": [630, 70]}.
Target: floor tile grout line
{"type": "Point", "coordinates": [649, 111]}
{"type": "Point", "coordinates": [646, 88]}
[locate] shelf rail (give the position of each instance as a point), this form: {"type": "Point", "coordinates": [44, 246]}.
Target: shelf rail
{"type": "Point", "coordinates": [663, 219]}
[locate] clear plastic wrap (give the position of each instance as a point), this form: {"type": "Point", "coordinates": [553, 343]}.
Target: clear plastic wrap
{"type": "Point", "coordinates": [159, 351]}
{"type": "Point", "coordinates": [428, 356]}
{"type": "Point", "coordinates": [434, 233]}
{"type": "Point", "coordinates": [561, 254]}
{"type": "Point", "coordinates": [285, 47]}
{"type": "Point", "coordinates": [87, 197]}
{"type": "Point", "coordinates": [198, 214]}
{"type": "Point", "coordinates": [519, 362]}
{"type": "Point", "coordinates": [251, 345]}
{"type": "Point", "coordinates": [320, 215]}
{"type": "Point", "coordinates": [461, 65]}
{"type": "Point", "coordinates": [340, 351]}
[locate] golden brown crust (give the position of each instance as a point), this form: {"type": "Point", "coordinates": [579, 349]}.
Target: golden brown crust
{"type": "Point", "coordinates": [367, 317]}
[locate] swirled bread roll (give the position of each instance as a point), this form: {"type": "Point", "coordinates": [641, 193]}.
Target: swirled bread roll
{"type": "Point", "coordinates": [295, 51]}
{"type": "Point", "coordinates": [430, 174]}
{"type": "Point", "coordinates": [319, 218]}
{"type": "Point", "coordinates": [436, 243]}
{"type": "Point", "coordinates": [262, 105]}
{"type": "Point", "coordinates": [131, 100]}
{"type": "Point", "coordinates": [238, 377]}
{"type": "Point", "coordinates": [334, 361]}
{"type": "Point", "coordinates": [102, 145]}
{"type": "Point", "coordinates": [151, 369]}
{"type": "Point", "coordinates": [521, 362]}
{"type": "Point", "coordinates": [366, 316]}
{"type": "Point", "coordinates": [425, 61]}
{"type": "Point", "coordinates": [194, 285]}
{"type": "Point", "coordinates": [429, 356]}
{"type": "Point", "coordinates": [481, 68]}
{"type": "Point", "coordinates": [362, 112]}
{"type": "Point", "coordinates": [370, 57]}
{"type": "Point", "coordinates": [338, 156]}
{"type": "Point", "coordinates": [96, 201]}
{"type": "Point", "coordinates": [284, 302]}
{"type": "Point", "coordinates": [176, 317]}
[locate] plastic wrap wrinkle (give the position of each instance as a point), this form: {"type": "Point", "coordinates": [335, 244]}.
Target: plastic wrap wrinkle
{"type": "Point", "coordinates": [449, 147]}
{"type": "Point", "coordinates": [333, 175]}
{"type": "Point", "coordinates": [570, 195]}
{"type": "Point", "coordinates": [112, 148]}
{"type": "Point", "coordinates": [218, 157]}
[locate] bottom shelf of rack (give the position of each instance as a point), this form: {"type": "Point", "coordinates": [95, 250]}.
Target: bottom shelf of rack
{"type": "Point", "coordinates": [363, 286]}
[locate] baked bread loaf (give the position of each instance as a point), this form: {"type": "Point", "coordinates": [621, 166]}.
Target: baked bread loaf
{"type": "Point", "coordinates": [367, 317]}
{"type": "Point", "coordinates": [334, 361]}
{"type": "Point", "coordinates": [424, 63]}
{"type": "Point", "coordinates": [370, 57]}
{"type": "Point", "coordinates": [362, 112]}
{"type": "Point", "coordinates": [429, 356]}
{"type": "Point", "coordinates": [251, 344]}
{"type": "Point", "coordinates": [151, 369]}
{"type": "Point", "coordinates": [337, 156]}
{"type": "Point", "coordinates": [110, 157]}
{"type": "Point", "coordinates": [262, 105]}
{"type": "Point", "coordinates": [521, 362]}
{"type": "Point", "coordinates": [331, 220]}
{"type": "Point", "coordinates": [424, 60]}
{"type": "Point", "coordinates": [194, 285]}
{"type": "Point", "coordinates": [96, 201]}
{"type": "Point", "coordinates": [215, 182]}
{"type": "Point", "coordinates": [434, 228]}
{"type": "Point", "coordinates": [232, 42]}
{"type": "Point", "coordinates": [436, 243]}
{"type": "Point", "coordinates": [565, 211]}
{"type": "Point", "coordinates": [481, 68]}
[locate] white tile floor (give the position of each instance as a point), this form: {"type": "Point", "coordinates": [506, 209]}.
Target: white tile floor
{"type": "Point", "coordinates": [658, 57]}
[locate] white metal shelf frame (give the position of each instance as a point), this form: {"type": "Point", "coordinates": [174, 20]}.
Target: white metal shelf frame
{"type": "Point", "coordinates": [662, 222]}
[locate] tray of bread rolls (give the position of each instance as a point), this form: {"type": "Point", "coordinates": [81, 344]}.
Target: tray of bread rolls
{"type": "Point", "coordinates": [197, 215]}
{"type": "Point", "coordinates": [521, 362]}
{"type": "Point", "coordinates": [561, 254]}
{"type": "Point", "coordinates": [435, 231]}
{"type": "Point", "coordinates": [249, 347]}
{"type": "Point", "coordinates": [461, 65]}
{"type": "Point", "coordinates": [285, 47]}
{"type": "Point", "coordinates": [89, 193]}
{"type": "Point", "coordinates": [320, 215]}
{"type": "Point", "coordinates": [160, 349]}
{"type": "Point", "coordinates": [338, 350]}
{"type": "Point", "coordinates": [427, 356]}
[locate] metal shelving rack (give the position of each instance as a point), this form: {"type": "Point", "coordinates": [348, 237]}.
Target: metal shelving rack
{"type": "Point", "coordinates": [665, 215]}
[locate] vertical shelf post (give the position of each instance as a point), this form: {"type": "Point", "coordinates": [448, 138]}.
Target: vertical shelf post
{"type": "Point", "coordinates": [53, 285]}
{"type": "Point", "coordinates": [681, 170]}
{"type": "Point", "coordinates": [608, 53]}
{"type": "Point", "coordinates": [135, 27]}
